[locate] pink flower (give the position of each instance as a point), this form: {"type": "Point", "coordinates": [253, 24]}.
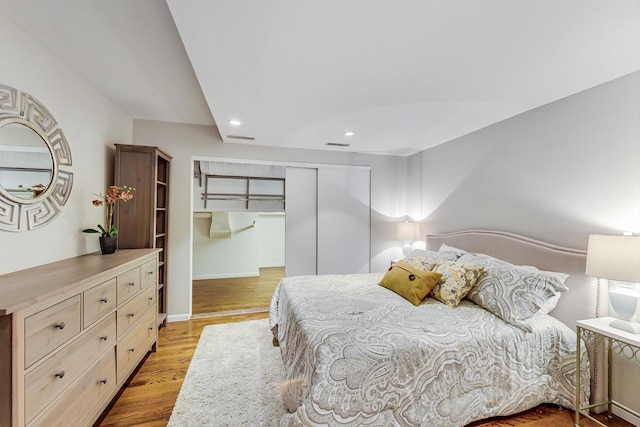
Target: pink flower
{"type": "Point", "coordinates": [114, 193]}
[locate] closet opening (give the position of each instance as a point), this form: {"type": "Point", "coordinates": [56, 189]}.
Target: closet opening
{"type": "Point", "coordinates": [238, 237]}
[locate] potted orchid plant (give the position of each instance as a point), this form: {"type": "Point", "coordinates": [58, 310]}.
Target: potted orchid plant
{"type": "Point", "coordinates": [108, 233]}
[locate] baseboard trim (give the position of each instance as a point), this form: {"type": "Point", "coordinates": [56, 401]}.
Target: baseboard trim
{"type": "Point", "coordinates": [178, 317]}
{"type": "Point", "coordinates": [230, 313]}
{"type": "Point", "coordinates": [626, 416]}
{"type": "Point", "coordinates": [227, 276]}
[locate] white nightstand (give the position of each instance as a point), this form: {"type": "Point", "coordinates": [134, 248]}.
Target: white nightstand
{"type": "Point", "coordinates": [615, 340]}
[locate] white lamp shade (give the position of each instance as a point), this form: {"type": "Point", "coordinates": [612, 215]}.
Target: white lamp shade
{"type": "Point", "coordinates": [614, 257]}
{"type": "Point", "coordinates": [408, 231]}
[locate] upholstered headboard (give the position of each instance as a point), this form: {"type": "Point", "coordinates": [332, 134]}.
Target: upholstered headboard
{"type": "Point", "coordinates": [585, 298]}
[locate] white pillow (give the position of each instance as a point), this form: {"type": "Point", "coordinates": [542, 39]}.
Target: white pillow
{"type": "Point", "coordinates": [512, 292]}
{"type": "Point", "coordinates": [426, 260]}
{"type": "Point", "coordinates": [552, 302]}
{"type": "Point", "coordinates": [447, 248]}
{"type": "Point", "coordinates": [561, 276]}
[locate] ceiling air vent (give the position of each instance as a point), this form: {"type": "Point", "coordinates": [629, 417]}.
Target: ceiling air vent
{"type": "Point", "coordinates": [337, 144]}
{"type": "Point", "coordinates": [245, 138]}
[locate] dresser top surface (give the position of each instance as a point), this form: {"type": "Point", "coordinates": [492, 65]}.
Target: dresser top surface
{"type": "Point", "coordinates": [23, 288]}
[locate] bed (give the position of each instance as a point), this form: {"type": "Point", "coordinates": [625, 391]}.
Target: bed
{"type": "Point", "coordinates": [357, 354]}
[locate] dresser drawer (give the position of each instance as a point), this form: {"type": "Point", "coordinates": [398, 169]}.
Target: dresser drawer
{"type": "Point", "coordinates": [50, 328]}
{"type": "Point", "coordinates": [78, 404]}
{"type": "Point", "coordinates": [98, 302]}
{"type": "Point", "coordinates": [128, 284]}
{"type": "Point", "coordinates": [131, 313]}
{"type": "Point", "coordinates": [133, 346]}
{"type": "Point", "coordinates": [48, 380]}
{"type": "Point", "coordinates": [148, 273]}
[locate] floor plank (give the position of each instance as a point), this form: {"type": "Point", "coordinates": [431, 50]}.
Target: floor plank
{"type": "Point", "coordinates": [224, 295]}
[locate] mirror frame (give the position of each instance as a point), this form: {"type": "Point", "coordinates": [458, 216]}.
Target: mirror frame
{"type": "Point", "coordinates": [28, 214]}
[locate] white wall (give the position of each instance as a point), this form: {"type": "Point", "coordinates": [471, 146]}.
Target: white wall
{"type": "Point", "coordinates": [556, 173]}
{"type": "Point", "coordinates": [187, 143]}
{"type": "Point", "coordinates": [343, 217]}
{"type": "Point", "coordinates": [271, 239]}
{"type": "Point", "coordinates": [91, 123]}
{"type": "Point", "coordinates": [244, 252]}
{"type": "Point", "coordinates": [233, 256]}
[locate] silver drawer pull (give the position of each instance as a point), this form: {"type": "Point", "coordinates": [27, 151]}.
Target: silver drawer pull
{"type": "Point", "coordinates": [60, 374]}
{"type": "Point", "coordinates": [131, 350]}
{"type": "Point", "coordinates": [150, 298]}
{"type": "Point", "coordinates": [103, 381]}
{"type": "Point", "coordinates": [151, 328]}
{"type": "Point", "coordinates": [150, 273]}
{"type": "Point", "coordinates": [132, 284]}
{"type": "Point", "coordinates": [104, 300]}
{"type": "Point", "coordinates": [104, 337]}
{"type": "Point", "coordinates": [131, 314]}
{"type": "Point", "coordinates": [60, 325]}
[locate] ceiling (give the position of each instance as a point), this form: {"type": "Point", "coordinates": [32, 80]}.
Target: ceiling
{"type": "Point", "coordinates": [402, 75]}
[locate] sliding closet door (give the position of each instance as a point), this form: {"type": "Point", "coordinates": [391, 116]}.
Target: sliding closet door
{"type": "Point", "coordinates": [344, 219]}
{"type": "Point", "coordinates": [300, 221]}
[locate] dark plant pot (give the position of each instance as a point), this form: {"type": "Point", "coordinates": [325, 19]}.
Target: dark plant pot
{"type": "Point", "coordinates": [108, 245]}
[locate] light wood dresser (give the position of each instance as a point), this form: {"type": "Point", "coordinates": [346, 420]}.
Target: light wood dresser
{"type": "Point", "coordinates": [71, 334]}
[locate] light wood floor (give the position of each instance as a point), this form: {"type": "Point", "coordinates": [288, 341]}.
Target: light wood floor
{"type": "Point", "coordinates": [242, 293]}
{"type": "Point", "coordinates": [149, 397]}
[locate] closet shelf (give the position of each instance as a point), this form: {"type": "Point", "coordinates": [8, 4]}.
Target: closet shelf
{"type": "Point", "coordinates": [229, 196]}
{"type": "Point", "coordinates": [246, 196]}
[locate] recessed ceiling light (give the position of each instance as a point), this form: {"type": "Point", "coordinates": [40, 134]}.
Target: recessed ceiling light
{"type": "Point", "coordinates": [349, 133]}
{"type": "Point", "coordinates": [235, 122]}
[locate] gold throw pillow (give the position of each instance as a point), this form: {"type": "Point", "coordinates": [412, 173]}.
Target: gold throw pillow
{"type": "Point", "coordinates": [409, 282]}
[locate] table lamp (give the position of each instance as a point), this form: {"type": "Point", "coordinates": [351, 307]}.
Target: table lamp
{"type": "Point", "coordinates": [617, 258]}
{"type": "Point", "coordinates": [408, 233]}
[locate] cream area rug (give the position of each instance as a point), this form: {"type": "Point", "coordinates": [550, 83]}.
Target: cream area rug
{"type": "Point", "coordinates": [232, 379]}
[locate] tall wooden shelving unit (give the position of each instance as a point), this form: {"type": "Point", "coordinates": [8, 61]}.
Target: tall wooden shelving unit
{"type": "Point", "coordinates": [144, 221]}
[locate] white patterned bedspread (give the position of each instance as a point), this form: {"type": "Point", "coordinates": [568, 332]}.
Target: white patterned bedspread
{"type": "Point", "coordinates": [358, 354]}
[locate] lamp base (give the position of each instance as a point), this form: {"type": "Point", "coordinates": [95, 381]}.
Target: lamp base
{"type": "Point", "coordinates": [631, 327]}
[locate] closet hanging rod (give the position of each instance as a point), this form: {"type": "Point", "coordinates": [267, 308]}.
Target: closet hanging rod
{"type": "Point", "coordinates": [262, 197]}
{"type": "Point", "coordinates": [259, 178]}
{"type": "Point", "coordinates": [244, 199]}
{"type": "Point", "coordinates": [245, 196]}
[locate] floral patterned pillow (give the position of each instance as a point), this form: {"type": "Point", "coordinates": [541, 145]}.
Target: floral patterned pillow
{"type": "Point", "coordinates": [426, 260]}
{"type": "Point", "coordinates": [512, 292]}
{"type": "Point", "coordinates": [456, 282]}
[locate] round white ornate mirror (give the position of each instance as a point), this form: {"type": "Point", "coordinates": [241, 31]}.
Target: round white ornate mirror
{"type": "Point", "coordinates": [33, 153]}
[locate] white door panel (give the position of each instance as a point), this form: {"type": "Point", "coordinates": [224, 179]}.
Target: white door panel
{"type": "Point", "coordinates": [343, 220]}
{"type": "Point", "coordinates": [300, 221]}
